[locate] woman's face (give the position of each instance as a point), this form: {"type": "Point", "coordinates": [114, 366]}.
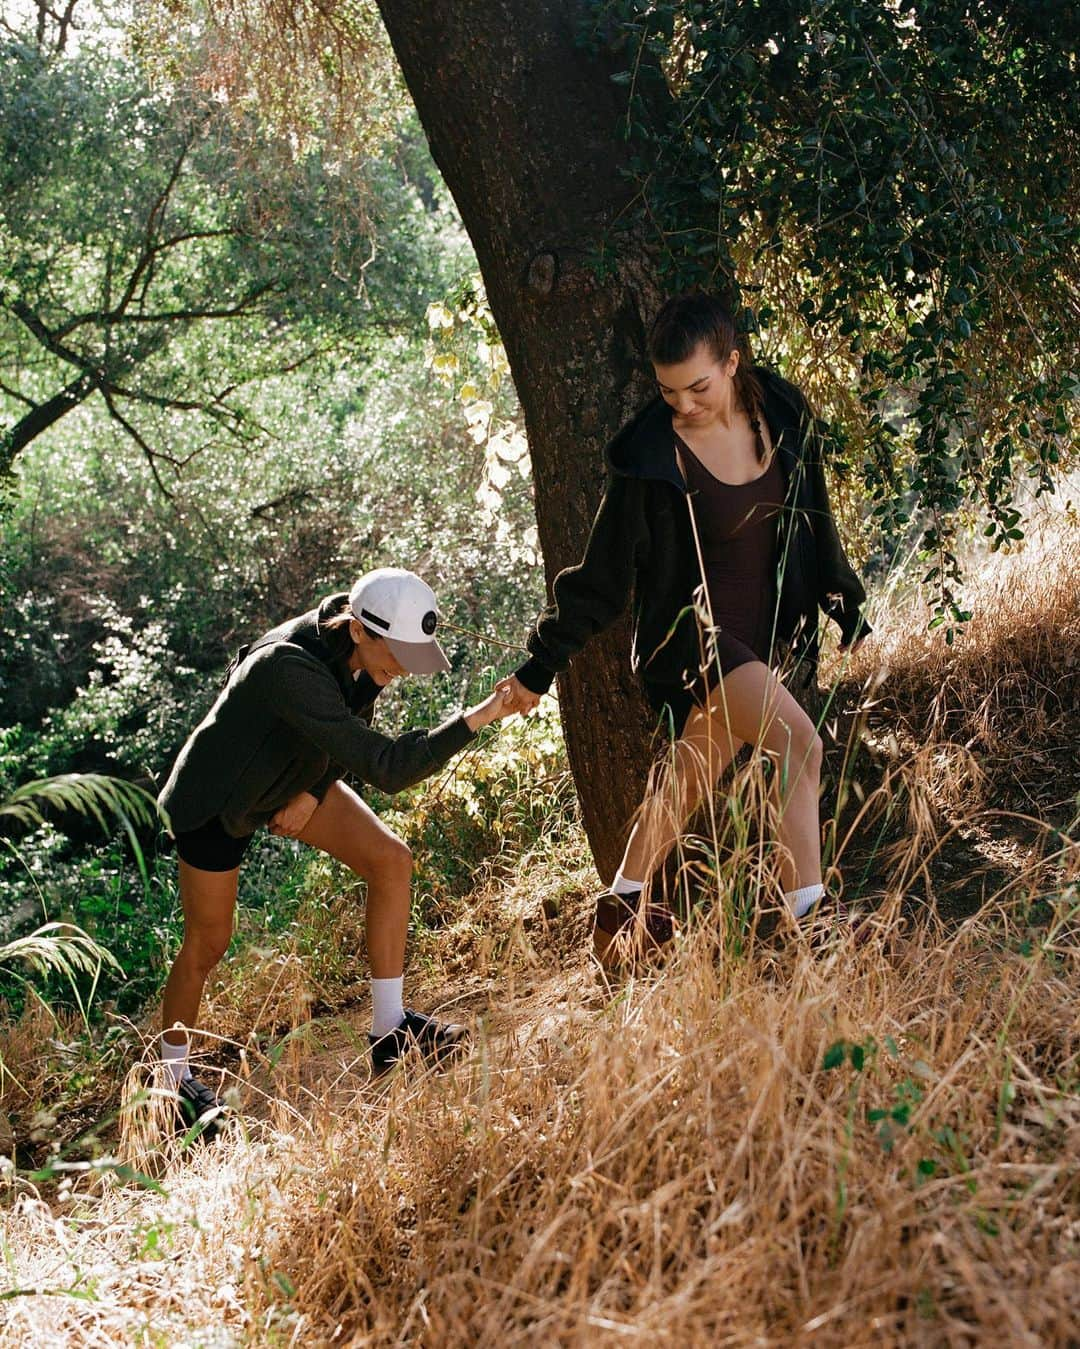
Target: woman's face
{"type": "Point", "coordinates": [699, 388]}
{"type": "Point", "coordinates": [373, 655]}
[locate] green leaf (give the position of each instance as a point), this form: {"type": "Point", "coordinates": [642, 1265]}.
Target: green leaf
{"type": "Point", "coordinates": [834, 1055]}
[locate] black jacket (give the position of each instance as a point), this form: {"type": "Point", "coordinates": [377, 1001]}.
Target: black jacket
{"type": "Point", "coordinates": [291, 719]}
{"type": "Point", "coordinates": [641, 544]}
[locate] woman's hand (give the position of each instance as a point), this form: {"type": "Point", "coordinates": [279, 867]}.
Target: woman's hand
{"type": "Point", "coordinates": [522, 700]}
{"type": "Point", "coordinates": [499, 703]}
{"type": "Point", "coordinates": [292, 819]}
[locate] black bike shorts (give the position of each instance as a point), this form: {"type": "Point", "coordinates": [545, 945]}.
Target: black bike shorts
{"type": "Point", "coordinates": [210, 848]}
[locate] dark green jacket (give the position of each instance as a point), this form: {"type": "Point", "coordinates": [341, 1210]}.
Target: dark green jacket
{"type": "Point", "coordinates": [641, 544]}
{"type": "Point", "coordinates": [292, 719]}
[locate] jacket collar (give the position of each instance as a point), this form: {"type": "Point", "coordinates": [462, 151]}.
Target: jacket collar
{"type": "Point", "coordinates": [645, 447]}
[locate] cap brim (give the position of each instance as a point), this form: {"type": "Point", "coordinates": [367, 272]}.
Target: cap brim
{"type": "Point", "coordinates": [421, 658]}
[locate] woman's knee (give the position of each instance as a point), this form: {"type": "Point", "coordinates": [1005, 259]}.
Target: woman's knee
{"type": "Point", "coordinates": [204, 947]}
{"type": "Point", "coordinates": [393, 860]}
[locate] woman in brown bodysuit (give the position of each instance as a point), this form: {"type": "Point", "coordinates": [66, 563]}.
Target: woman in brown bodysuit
{"type": "Point", "coordinates": [716, 503]}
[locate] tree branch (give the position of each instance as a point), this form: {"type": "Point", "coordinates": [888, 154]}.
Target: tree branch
{"type": "Point", "coordinates": [48, 339]}
{"type": "Point", "coordinates": [153, 219]}
{"type": "Point", "coordinates": [117, 320]}
{"type": "Point", "coordinates": [43, 416]}
{"type": "Point", "coordinates": [14, 393]}
{"type": "Point", "coordinates": [63, 22]}
{"type": "Point", "coordinates": [150, 453]}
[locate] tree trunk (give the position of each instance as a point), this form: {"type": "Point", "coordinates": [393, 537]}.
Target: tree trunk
{"type": "Point", "coordinates": [527, 129]}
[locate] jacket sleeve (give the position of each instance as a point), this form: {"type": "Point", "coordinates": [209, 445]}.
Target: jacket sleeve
{"type": "Point", "coordinates": [840, 593]}
{"type": "Point", "coordinates": [588, 598]}
{"type": "Point", "coordinates": [302, 693]}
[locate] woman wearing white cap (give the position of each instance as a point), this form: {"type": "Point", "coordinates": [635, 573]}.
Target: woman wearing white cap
{"type": "Point", "coordinates": [293, 717]}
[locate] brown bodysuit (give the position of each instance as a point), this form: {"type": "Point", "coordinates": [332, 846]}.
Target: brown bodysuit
{"type": "Point", "coordinates": [737, 526]}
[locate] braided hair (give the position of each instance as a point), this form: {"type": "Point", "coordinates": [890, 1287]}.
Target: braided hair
{"type": "Point", "coordinates": [695, 317]}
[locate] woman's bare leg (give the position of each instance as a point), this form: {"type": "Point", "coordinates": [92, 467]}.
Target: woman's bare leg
{"type": "Point", "coordinates": [762, 712]}
{"type": "Point", "coordinates": [750, 706]}
{"type": "Point", "coordinates": [699, 756]}
{"type": "Point", "coordinates": [349, 830]}
{"type": "Point", "coordinates": [209, 903]}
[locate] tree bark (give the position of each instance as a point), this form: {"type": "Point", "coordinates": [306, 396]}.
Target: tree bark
{"type": "Point", "coordinates": [528, 131]}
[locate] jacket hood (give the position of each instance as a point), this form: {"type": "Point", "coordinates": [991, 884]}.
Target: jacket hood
{"type": "Point", "coordinates": [645, 447]}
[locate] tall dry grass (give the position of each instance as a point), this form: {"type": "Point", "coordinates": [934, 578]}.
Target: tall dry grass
{"type": "Point", "coordinates": [674, 1164]}
{"type": "Point", "coordinates": [764, 1142]}
{"type": "Point", "coordinates": [1008, 689]}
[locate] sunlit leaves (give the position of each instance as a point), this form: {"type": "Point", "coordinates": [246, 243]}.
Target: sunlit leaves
{"type": "Point", "coordinates": [465, 352]}
{"type": "Point", "coordinates": [896, 192]}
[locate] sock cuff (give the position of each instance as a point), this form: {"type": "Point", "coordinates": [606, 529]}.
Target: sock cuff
{"type": "Point", "coordinates": [175, 1058]}
{"type": "Point", "coordinates": [622, 885]}
{"type": "Point", "coordinates": [803, 900]}
{"type": "Point", "coordinates": [387, 1011]}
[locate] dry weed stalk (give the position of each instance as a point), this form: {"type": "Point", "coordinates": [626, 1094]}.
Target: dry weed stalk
{"type": "Point", "coordinates": [676, 1166]}
{"type": "Point", "coordinates": [1009, 687]}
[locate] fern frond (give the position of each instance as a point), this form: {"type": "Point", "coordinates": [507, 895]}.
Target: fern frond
{"type": "Point", "coordinates": [90, 794]}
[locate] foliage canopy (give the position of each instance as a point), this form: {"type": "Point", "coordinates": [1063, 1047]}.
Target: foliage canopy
{"type": "Point", "coordinates": [167, 252]}
{"type": "Point", "coordinates": [893, 190]}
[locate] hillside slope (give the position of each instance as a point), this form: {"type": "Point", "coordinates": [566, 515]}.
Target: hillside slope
{"type": "Point", "coordinates": [760, 1142]}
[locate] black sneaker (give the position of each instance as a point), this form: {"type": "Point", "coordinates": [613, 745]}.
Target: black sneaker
{"type": "Point", "coordinates": [830, 917]}
{"type": "Point", "coordinates": [436, 1040]}
{"type": "Point", "coordinates": [196, 1105]}
{"type": "Point", "coordinates": [617, 915]}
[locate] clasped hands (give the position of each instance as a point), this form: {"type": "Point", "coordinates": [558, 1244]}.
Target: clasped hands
{"type": "Point", "coordinates": [516, 697]}
{"type": "Point", "coordinates": [508, 696]}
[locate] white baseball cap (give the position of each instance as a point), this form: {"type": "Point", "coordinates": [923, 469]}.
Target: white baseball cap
{"type": "Point", "coordinates": [399, 607]}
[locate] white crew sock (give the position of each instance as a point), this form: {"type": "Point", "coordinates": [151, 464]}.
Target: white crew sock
{"type": "Point", "coordinates": [387, 1012]}
{"type": "Point", "coordinates": [621, 886]}
{"type": "Point", "coordinates": [175, 1058]}
{"type": "Point", "coordinates": [800, 902]}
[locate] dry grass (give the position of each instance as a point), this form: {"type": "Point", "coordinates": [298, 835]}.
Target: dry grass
{"type": "Point", "coordinates": [1008, 690]}
{"type": "Point", "coordinates": [761, 1143]}
{"type": "Point", "coordinates": [669, 1163]}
